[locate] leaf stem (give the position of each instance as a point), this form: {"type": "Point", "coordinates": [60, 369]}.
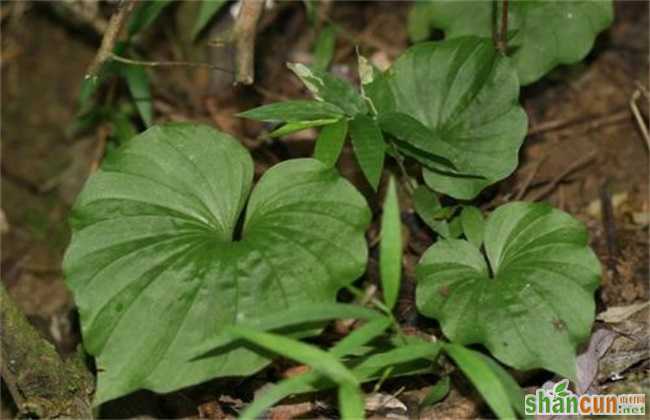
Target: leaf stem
{"type": "Point", "coordinates": [409, 183]}
{"type": "Point", "coordinates": [383, 308]}
{"type": "Point", "coordinates": [502, 41]}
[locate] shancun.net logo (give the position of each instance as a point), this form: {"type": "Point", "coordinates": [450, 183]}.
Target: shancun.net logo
{"type": "Point", "coordinates": [560, 400]}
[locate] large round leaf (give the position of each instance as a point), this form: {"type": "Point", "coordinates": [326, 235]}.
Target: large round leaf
{"type": "Point", "coordinates": [533, 304]}
{"type": "Point", "coordinates": [466, 94]}
{"type": "Point", "coordinates": [544, 33]}
{"type": "Point", "coordinates": [157, 265]}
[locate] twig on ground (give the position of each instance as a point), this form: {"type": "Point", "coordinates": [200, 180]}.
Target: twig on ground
{"type": "Point", "coordinates": [111, 34]}
{"type": "Point", "coordinates": [244, 33]}
{"type": "Point", "coordinates": [555, 181]}
{"type": "Point", "coordinates": [361, 38]}
{"type": "Point", "coordinates": [524, 187]}
{"type": "Point", "coordinates": [637, 114]}
{"type": "Point", "coordinates": [166, 63]}
{"type": "Point", "coordinates": [592, 122]}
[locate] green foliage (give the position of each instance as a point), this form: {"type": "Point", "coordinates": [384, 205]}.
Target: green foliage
{"type": "Point", "coordinates": [92, 113]}
{"type": "Point", "coordinates": [295, 111]}
{"type": "Point", "coordinates": [207, 10]}
{"type": "Point", "coordinates": [440, 219]}
{"type": "Point", "coordinates": [543, 34]}
{"type": "Point", "coordinates": [350, 395]}
{"type": "Point", "coordinates": [330, 142]}
{"type": "Point", "coordinates": [328, 367]}
{"type": "Point", "coordinates": [500, 391]}
{"type": "Point", "coordinates": [452, 106]}
{"type": "Point", "coordinates": [183, 272]}
{"type": "Point", "coordinates": [351, 402]}
{"type": "Point", "coordinates": [419, 24]}
{"type": "Point", "coordinates": [466, 95]}
{"type": "Point", "coordinates": [529, 301]}
{"type": "Point", "coordinates": [390, 248]}
{"type": "Point", "coordinates": [313, 314]}
{"type": "Point", "coordinates": [438, 392]}
{"type": "Point", "coordinates": [324, 48]}
{"type": "Point", "coordinates": [138, 82]}
{"type": "Point", "coordinates": [311, 380]}
{"type": "Point", "coordinates": [368, 145]}
{"type": "Point", "coordinates": [473, 224]}
{"type": "Point", "coordinates": [145, 14]}
{"type": "Point", "coordinates": [157, 267]}
{"type": "Point", "coordinates": [296, 115]}
{"type": "Point", "coordinates": [319, 360]}
{"type": "Point", "coordinates": [328, 88]}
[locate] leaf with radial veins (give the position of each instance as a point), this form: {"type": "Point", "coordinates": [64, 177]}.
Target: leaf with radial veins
{"type": "Point", "coordinates": [158, 266]}
{"type": "Point", "coordinates": [546, 33]}
{"type": "Point", "coordinates": [466, 94]}
{"type": "Point", "coordinates": [533, 304]}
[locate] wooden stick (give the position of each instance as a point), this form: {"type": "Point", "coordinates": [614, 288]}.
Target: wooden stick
{"type": "Point", "coordinates": [555, 181]}
{"type": "Point", "coordinates": [113, 30]}
{"type": "Point", "coordinates": [639, 119]}
{"type": "Point", "coordinates": [167, 63]}
{"type": "Point", "coordinates": [244, 33]}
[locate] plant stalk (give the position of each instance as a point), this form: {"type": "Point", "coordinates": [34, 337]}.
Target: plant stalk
{"type": "Point", "coordinates": [502, 41]}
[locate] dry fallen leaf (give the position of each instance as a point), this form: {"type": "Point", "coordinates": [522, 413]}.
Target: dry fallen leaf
{"type": "Point", "coordinates": [616, 314]}
{"type": "Point", "coordinates": [378, 401]}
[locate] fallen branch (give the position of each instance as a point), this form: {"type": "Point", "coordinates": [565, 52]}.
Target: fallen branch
{"type": "Point", "coordinates": [592, 122]}
{"type": "Point", "coordinates": [244, 35]}
{"type": "Point", "coordinates": [111, 34]}
{"type": "Point", "coordinates": [637, 115]}
{"type": "Point", "coordinates": [555, 181]}
{"type": "Point", "coordinates": [167, 63]}
{"type": "Point", "coordinates": [41, 384]}
{"type": "Point", "coordinates": [529, 179]}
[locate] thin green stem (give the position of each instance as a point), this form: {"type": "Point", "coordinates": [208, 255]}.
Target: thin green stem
{"type": "Point", "coordinates": [359, 294]}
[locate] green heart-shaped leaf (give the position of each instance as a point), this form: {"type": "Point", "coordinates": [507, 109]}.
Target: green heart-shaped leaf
{"type": "Point", "coordinates": [547, 33]}
{"type": "Point", "coordinates": [466, 94]}
{"type": "Point", "coordinates": [533, 304]}
{"type": "Point", "coordinates": [157, 264]}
